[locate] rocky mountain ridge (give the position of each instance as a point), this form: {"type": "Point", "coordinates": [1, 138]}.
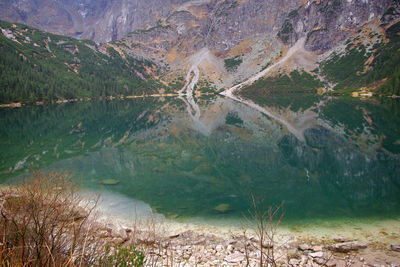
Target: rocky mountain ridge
{"type": "Point", "coordinates": [221, 24]}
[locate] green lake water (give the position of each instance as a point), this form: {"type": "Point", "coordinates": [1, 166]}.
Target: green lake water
{"type": "Point", "coordinates": [325, 158]}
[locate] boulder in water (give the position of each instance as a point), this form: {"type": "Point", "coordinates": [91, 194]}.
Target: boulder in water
{"type": "Point", "coordinates": [223, 208]}
{"type": "Point", "coordinates": [109, 182]}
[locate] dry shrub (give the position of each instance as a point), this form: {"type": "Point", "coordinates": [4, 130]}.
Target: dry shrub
{"type": "Point", "coordinates": [45, 222]}
{"type": "Point", "coordinates": [266, 222]}
{"type": "Point", "coordinates": [148, 235]}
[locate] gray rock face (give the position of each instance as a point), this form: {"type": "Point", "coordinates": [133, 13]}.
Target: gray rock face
{"type": "Point", "coordinates": [219, 25]}
{"type": "Point", "coordinates": [91, 19]}
{"type": "Point", "coordinates": [326, 23]}
{"type": "Point", "coordinates": [176, 34]}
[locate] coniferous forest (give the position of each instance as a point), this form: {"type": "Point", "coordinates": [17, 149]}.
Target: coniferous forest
{"type": "Point", "coordinates": [39, 66]}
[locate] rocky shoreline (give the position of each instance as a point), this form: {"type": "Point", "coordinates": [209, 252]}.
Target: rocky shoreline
{"type": "Point", "coordinates": [186, 244]}
{"type": "Point", "coordinates": [171, 243]}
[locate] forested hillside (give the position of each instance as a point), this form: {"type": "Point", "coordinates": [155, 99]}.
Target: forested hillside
{"type": "Point", "coordinates": [368, 60]}
{"type": "Point", "coordinates": [39, 66]}
{"type": "Point", "coordinates": [366, 64]}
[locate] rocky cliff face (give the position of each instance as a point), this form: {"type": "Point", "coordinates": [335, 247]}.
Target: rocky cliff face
{"type": "Point", "coordinates": [324, 24]}
{"type": "Point", "coordinates": [101, 20]}
{"type": "Point", "coordinates": [221, 24]}
{"type": "Point", "coordinates": [252, 33]}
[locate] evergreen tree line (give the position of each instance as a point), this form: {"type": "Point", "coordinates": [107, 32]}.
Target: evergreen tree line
{"type": "Point", "coordinates": [71, 69]}
{"type": "Point", "coordinates": [348, 70]}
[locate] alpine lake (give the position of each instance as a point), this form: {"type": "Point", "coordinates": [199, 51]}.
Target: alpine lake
{"type": "Point", "coordinates": [326, 159]}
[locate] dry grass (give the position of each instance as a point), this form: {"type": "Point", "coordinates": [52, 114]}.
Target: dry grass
{"type": "Point", "coordinates": [45, 222]}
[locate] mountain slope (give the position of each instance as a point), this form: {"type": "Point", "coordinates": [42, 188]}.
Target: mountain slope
{"type": "Point", "coordinates": [39, 66]}
{"type": "Point", "coordinates": [98, 20]}
{"type": "Point", "coordinates": [369, 59]}
{"type": "Point", "coordinates": [255, 34]}
{"type": "Point", "coordinates": [228, 42]}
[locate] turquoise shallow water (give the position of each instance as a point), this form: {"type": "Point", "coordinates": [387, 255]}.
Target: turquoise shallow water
{"type": "Point", "coordinates": [325, 158]}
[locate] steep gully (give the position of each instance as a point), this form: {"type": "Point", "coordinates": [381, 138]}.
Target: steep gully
{"type": "Point", "coordinates": [191, 105]}
{"type": "Point", "coordinates": [298, 123]}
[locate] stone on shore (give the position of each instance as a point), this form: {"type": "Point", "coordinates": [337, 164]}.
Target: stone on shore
{"type": "Point", "coordinates": [174, 235]}
{"type": "Point", "coordinates": [236, 257]}
{"type": "Point", "coordinates": [219, 248]}
{"type": "Point", "coordinates": [341, 239]}
{"type": "Point", "coordinates": [304, 247]}
{"type": "Point", "coordinates": [320, 261]}
{"type": "Point", "coordinates": [230, 242]}
{"type": "Point", "coordinates": [267, 245]}
{"type": "Point", "coordinates": [200, 241]}
{"type": "Point", "coordinates": [347, 246]}
{"type": "Point", "coordinates": [317, 248]}
{"type": "Point", "coordinates": [318, 254]}
{"type": "Point", "coordinates": [109, 182]}
{"type": "Point", "coordinates": [395, 247]}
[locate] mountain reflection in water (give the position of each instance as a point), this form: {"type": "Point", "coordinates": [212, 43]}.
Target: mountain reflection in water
{"type": "Point", "coordinates": [325, 158]}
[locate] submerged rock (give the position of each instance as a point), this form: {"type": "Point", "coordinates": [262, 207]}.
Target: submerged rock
{"type": "Point", "coordinates": [223, 208]}
{"type": "Point", "coordinates": [341, 239]}
{"type": "Point", "coordinates": [109, 182]}
{"type": "Point", "coordinates": [173, 216]}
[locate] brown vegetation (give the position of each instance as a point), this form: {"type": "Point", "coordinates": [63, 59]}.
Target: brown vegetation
{"type": "Point", "coordinates": [45, 222]}
{"type": "Point", "coordinates": [266, 222]}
